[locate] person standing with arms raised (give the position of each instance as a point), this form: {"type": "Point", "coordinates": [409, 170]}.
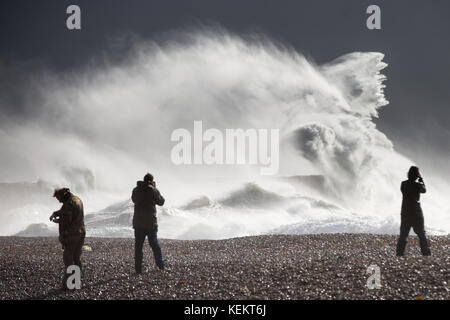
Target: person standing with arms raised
{"type": "Point", "coordinates": [145, 196]}
{"type": "Point", "coordinates": [411, 213]}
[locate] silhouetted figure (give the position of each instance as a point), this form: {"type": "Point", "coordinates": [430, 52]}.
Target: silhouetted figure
{"type": "Point", "coordinates": [145, 196]}
{"type": "Point", "coordinates": [411, 213]}
{"type": "Point", "coordinates": [71, 228]}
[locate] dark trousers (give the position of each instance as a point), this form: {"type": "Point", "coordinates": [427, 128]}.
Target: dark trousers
{"type": "Point", "coordinates": [416, 222]}
{"type": "Point", "coordinates": [139, 237]}
{"type": "Point", "coordinates": [72, 250]}
{"type": "Point", "coordinates": [72, 253]}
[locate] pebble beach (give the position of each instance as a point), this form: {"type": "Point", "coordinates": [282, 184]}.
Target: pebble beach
{"type": "Point", "coordinates": [275, 267]}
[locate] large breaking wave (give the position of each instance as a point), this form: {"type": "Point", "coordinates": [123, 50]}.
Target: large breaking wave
{"type": "Point", "coordinates": [100, 130]}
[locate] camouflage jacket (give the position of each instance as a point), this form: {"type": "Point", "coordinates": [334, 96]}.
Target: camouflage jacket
{"type": "Point", "coordinates": [71, 218]}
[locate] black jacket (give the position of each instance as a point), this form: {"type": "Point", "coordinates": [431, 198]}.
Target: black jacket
{"type": "Point", "coordinates": [411, 191]}
{"type": "Point", "coordinates": [145, 197]}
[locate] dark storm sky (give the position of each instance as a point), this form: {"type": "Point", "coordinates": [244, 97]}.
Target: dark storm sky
{"type": "Point", "coordinates": [415, 38]}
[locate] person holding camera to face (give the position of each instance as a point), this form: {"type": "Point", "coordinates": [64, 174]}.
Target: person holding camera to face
{"type": "Point", "coordinates": [411, 212]}
{"type": "Point", "coordinates": [145, 196]}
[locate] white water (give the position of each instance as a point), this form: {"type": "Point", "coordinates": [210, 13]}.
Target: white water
{"type": "Point", "coordinates": [100, 130]}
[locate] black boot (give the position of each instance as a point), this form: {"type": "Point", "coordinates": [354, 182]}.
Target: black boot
{"type": "Point", "coordinates": [401, 244]}
{"type": "Point", "coordinates": [424, 247]}
{"type": "Point", "coordinates": [160, 265]}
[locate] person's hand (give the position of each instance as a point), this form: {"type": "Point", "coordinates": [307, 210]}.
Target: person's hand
{"type": "Point", "coordinates": [54, 218]}
{"type": "Point", "coordinates": [154, 183]}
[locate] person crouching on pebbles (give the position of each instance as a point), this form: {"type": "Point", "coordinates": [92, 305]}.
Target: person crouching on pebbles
{"type": "Point", "coordinates": [411, 213]}
{"type": "Point", "coordinates": [145, 196]}
{"type": "Point", "coordinates": [71, 228]}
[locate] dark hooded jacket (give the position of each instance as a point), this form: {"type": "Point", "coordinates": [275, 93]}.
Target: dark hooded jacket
{"type": "Point", "coordinates": [411, 191]}
{"type": "Point", "coordinates": [145, 197]}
